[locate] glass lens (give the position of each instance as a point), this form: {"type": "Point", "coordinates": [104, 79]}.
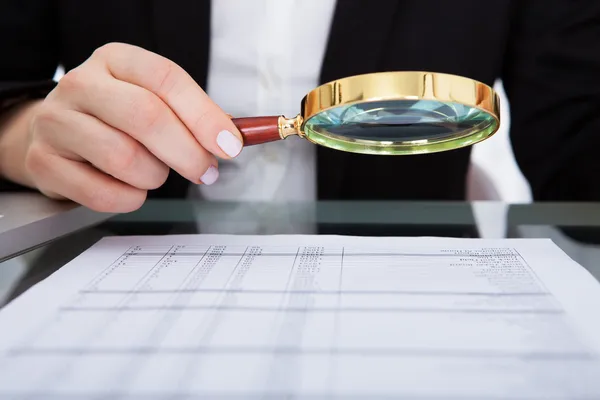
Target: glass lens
{"type": "Point", "coordinates": [400, 127]}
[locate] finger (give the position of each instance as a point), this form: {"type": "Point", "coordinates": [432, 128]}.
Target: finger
{"type": "Point", "coordinates": [146, 118]}
{"type": "Point", "coordinates": [82, 183]}
{"type": "Point", "coordinates": [204, 118]}
{"type": "Point", "coordinates": [82, 137]}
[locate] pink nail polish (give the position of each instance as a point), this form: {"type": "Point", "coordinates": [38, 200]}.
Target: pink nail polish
{"type": "Point", "coordinates": [210, 176]}
{"type": "Point", "coordinates": [229, 143]}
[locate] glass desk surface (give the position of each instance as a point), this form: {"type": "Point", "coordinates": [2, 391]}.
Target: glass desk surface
{"type": "Point", "coordinates": [574, 227]}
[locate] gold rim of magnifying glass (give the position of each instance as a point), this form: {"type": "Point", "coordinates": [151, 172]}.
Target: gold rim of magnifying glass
{"type": "Point", "coordinates": [398, 85]}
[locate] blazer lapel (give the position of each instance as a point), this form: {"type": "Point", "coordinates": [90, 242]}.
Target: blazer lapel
{"type": "Point", "coordinates": [357, 41]}
{"type": "Point", "coordinates": [357, 37]}
{"type": "Point", "coordinates": [183, 34]}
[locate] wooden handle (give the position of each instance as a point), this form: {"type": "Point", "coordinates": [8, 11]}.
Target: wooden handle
{"type": "Point", "coordinates": [257, 130]}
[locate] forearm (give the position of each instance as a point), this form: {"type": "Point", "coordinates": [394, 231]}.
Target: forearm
{"type": "Point", "coordinates": [14, 128]}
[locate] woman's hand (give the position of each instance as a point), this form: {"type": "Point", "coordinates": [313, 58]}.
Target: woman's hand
{"type": "Point", "coordinates": [114, 126]}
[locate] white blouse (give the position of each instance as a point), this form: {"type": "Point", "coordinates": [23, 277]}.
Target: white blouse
{"type": "Point", "coordinates": [265, 56]}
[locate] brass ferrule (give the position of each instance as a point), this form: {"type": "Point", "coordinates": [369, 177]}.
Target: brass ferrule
{"type": "Point", "coordinates": [290, 126]}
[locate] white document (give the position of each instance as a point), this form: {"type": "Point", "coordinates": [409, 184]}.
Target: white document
{"type": "Point", "coordinates": [190, 317]}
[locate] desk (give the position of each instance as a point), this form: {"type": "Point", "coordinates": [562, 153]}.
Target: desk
{"type": "Point", "coordinates": [61, 231]}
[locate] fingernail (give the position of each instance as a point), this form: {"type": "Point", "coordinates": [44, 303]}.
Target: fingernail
{"type": "Point", "coordinates": [229, 143]}
{"type": "Point", "coordinates": [210, 176]}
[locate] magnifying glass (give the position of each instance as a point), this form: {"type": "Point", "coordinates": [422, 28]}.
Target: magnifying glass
{"type": "Point", "coordinates": [387, 113]}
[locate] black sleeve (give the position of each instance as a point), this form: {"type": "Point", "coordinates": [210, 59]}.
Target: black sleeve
{"type": "Point", "coordinates": [29, 53]}
{"type": "Point", "coordinates": [552, 80]}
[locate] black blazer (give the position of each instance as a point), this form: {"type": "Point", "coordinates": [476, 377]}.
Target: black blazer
{"type": "Point", "coordinates": [546, 52]}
